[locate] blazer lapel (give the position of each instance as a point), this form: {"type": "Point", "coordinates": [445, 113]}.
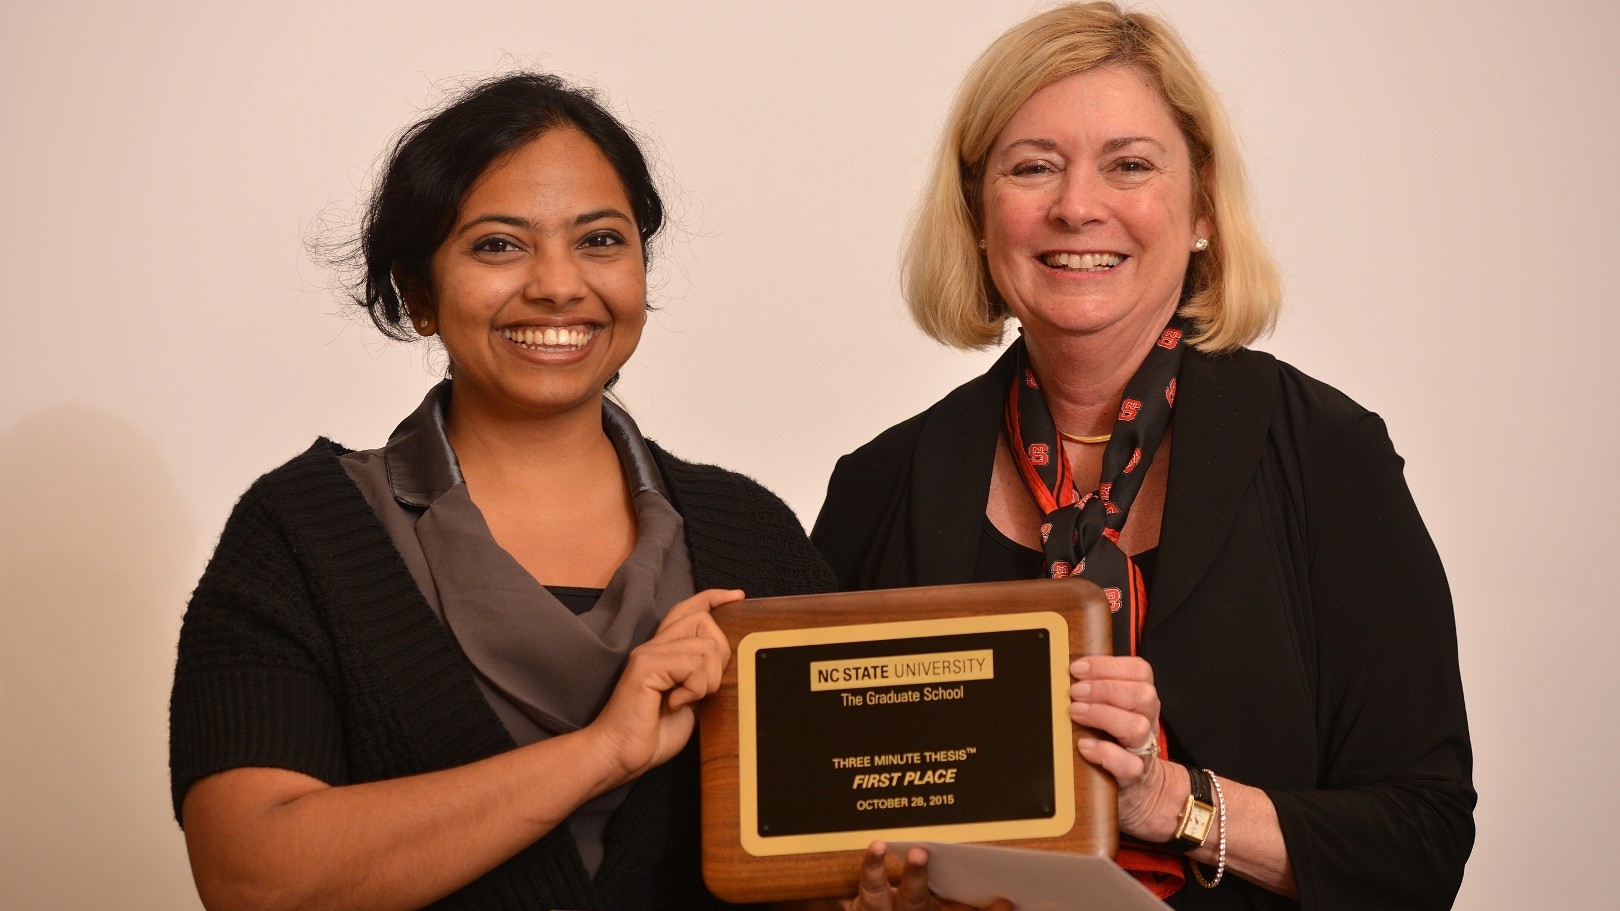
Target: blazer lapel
{"type": "Point", "coordinates": [956, 452]}
{"type": "Point", "coordinates": [1223, 412]}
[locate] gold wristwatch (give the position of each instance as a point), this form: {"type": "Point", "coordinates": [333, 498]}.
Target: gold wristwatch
{"type": "Point", "coordinates": [1197, 816]}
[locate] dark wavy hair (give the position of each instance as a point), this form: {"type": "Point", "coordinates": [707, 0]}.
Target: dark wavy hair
{"type": "Point", "coordinates": [436, 161]}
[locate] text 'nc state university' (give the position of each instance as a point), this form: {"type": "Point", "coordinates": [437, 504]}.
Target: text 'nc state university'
{"type": "Point", "coordinates": [902, 670]}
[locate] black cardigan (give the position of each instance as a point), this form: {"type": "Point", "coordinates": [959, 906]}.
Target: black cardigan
{"type": "Point", "coordinates": [307, 646]}
{"type": "Point", "coordinates": [1299, 625]}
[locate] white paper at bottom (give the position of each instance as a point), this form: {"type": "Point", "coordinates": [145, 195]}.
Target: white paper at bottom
{"type": "Point", "coordinates": [1032, 880]}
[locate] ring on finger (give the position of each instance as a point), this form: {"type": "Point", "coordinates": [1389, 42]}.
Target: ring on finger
{"type": "Point", "coordinates": [1148, 751]}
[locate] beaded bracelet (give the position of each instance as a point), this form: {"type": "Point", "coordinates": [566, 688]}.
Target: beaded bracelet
{"type": "Point", "coordinates": [1220, 850]}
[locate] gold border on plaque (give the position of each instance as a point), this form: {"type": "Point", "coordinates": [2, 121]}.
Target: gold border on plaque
{"type": "Point", "coordinates": [1061, 821]}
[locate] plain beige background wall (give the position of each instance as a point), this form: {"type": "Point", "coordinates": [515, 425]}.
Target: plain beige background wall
{"type": "Point", "coordinates": [1437, 178]}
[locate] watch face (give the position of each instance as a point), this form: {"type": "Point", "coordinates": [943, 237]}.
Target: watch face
{"type": "Point", "coordinates": [1195, 825]}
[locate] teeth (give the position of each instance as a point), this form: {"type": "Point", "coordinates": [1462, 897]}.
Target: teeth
{"type": "Point", "coordinates": [567, 337]}
{"type": "Point", "coordinates": [1083, 262]}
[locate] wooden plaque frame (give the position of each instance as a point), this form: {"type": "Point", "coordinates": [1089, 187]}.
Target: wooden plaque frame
{"type": "Point", "coordinates": [736, 874]}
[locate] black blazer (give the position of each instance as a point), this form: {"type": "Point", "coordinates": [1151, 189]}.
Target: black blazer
{"type": "Point", "coordinates": [1299, 623]}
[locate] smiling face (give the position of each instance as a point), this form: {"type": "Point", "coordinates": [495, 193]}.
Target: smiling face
{"type": "Point", "coordinates": [539, 291]}
{"type": "Point", "coordinates": [1088, 208]}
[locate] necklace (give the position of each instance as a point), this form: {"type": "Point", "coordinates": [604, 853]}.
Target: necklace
{"type": "Point", "coordinates": [1076, 438]}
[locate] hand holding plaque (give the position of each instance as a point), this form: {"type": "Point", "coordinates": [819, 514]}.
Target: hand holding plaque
{"type": "Point", "coordinates": [928, 714]}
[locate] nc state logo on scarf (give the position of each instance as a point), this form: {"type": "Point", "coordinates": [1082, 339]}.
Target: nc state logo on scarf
{"type": "Point", "coordinates": [1080, 533]}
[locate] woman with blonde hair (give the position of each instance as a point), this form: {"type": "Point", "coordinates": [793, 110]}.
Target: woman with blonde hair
{"type": "Point", "coordinates": [1283, 711]}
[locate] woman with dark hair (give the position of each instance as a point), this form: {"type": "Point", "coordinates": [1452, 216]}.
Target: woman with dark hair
{"type": "Point", "coordinates": [458, 671]}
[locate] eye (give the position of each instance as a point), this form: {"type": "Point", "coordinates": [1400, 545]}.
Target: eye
{"type": "Point", "coordinates": [603, 239]}
{"type": "Point", "coordinates": [1133, 167]}
{"type": "Point", "coordinates": [1035, 168]}
{"type": "Point", "coordinates": [495, 245]}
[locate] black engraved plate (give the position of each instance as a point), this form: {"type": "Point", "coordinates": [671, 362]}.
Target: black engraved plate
{"type": "Point", "coordinates": [907, 733]}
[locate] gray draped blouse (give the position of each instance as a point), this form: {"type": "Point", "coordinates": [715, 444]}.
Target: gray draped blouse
{"type": "Point", "coordinates": [543, 669]}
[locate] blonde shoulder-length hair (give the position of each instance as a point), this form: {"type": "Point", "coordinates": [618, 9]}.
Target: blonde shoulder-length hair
{"type": "Point", "coordinates": [1231, 293]}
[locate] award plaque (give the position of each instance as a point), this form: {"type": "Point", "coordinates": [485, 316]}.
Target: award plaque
{"type": "Point", "coordinates": [924, 714]}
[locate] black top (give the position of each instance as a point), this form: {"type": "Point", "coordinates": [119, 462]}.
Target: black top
{"type": "Point", "coordinates": [1001, 559]}
{"type": "Point", "coordinates": [308, 646]}
{"type": "Point", "coordinates": [1299, 625]}
{"type": "Point", "coordinates": [578, 600]}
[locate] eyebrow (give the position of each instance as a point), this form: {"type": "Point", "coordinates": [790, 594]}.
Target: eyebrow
{"type": "Point", "coordinates": [1109, 147]}
{"type": "Point", "coordinates": [1045, 145]}
{"type": "Point", "coordinates": [518, 221]}
{"type": "Point", "coordinates": [1114, 145]}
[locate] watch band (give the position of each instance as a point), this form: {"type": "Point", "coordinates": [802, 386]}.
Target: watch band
{"type": "Point", "coordinates": [1197, 815]}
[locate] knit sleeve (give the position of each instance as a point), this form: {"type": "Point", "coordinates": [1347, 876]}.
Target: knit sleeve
{"type": "Point", "coordinates": [251, 679]}
{"type": "Point", "coordinates": [786, 561]}
{"type": "Point", "coordinates": [740, 534]}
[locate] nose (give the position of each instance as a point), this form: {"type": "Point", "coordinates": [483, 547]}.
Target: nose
{"type": "Point", "coordinates": [1077, 199]}
{"type": "Point", "coordinates": [555, 277]}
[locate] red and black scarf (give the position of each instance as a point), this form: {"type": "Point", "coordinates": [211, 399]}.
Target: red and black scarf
{"type": "Point", "coordinates": [1080, 533]}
